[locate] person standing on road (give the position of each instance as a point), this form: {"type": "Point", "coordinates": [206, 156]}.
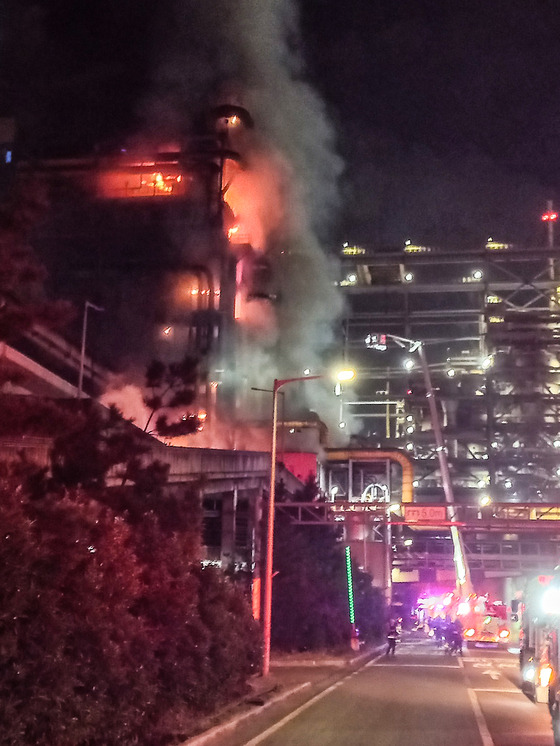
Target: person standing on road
{"type": "Point", "coordinates": [392, 637]}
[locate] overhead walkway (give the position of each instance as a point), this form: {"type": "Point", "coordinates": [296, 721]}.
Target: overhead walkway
{"type": "Point", "coordinates": [499, 517]}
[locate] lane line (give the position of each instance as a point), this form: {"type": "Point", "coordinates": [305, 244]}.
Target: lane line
{"type": "Point", "coordinates": [480, 721]}
{"type": "Point", "coordinates": [273, 728]}
{"type": "Point", "coordinates": [498, 691]}
{"type": "Point", "coordinates": [417, 665]}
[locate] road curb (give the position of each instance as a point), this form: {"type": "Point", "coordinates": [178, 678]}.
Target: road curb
{"type": "Point", "coordinates": [219, 730]}
{"type": "Point", "coordinates": [232, 723]}
{"type": "Point", "coordinates": [330, 662]}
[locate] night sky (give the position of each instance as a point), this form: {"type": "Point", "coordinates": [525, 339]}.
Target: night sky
{"type": "Point", "coordinates": [446, 113]}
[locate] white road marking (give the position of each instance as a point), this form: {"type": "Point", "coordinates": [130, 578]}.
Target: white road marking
{"type": "Point", "coordinates": [280, 724]}
{"type": "Point", "coordinates": [480, 721]}
{"type": "Point", "coordinates": [499, 691]}
{"type": "Point", "coordinates": [273, 728]}
{"type": "Point", "coordinates": [494, 675]}
{"type": "Point", "coordinates": [416, 665]}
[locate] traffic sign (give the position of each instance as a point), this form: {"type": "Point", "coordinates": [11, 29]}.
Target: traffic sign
{"type": "Point", "coordinates": [413, 513]}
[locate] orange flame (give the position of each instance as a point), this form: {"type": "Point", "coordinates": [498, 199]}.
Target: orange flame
{"type": "Point", "coordinates": [254, 195]}
{"type": "Point", "coordinates": [141, 180]}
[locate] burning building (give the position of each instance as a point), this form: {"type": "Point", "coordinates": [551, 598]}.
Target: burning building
{"type": "Point", "coordinates": [205, 233]}
{"type": "Point", "coordinates": [183, 248]}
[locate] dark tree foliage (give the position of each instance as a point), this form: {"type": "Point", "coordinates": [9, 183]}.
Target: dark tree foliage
{"type": "Point", "coordinates": [100, 442]}
{"type": "Point", "coordinates": [32, 416]}
{"type": "Point", "coordinates": [110, 631]}
{"type": "Point", "coordinates": [369, 606]}
{"type": "Point", "coordinates": [310, 608]}
{"type": "Point", "coordinates": [73, 654]}
{"type": "Point", "coordinates": [172, 387]}
{"type": "Point", "coordinates": [310, 491]}
{"type": "Point", "coordinates": [310, 598]}
{"type": "Point", "coordinates": [22, 302]}
{"type": "Point", "coordinates": [88, 444]}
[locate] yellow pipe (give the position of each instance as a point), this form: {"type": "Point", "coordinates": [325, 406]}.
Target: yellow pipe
{"type": "Point", "coordinates": [398, 456]}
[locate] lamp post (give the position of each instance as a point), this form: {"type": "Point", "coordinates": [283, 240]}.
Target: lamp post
{"type": "Point", "coordinates": [83, 350]}
{"type": "Point", "coordinates": [267, 611]}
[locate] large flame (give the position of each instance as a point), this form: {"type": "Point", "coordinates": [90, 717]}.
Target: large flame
{"type": "Point", "coordinates": [253, 191]}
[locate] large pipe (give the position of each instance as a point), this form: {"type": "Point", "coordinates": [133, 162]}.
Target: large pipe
{"type": "Point", "coordinates": [393, 455]}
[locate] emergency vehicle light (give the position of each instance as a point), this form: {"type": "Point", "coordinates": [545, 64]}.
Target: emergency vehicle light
{"type": "Point", "coordinates": [551, 600]}
{"type": "Point", "coordinates": [545, 675]}
{"type": "Point", "coordinates": [529, 673]}
{"type": "Point", "coordinates": [504, 633]}
{"type": "Point", "coordinates": [469, 632]}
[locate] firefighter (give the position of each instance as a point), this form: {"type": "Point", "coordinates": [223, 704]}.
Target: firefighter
{"type": "Point", "coordinates": [392, 637]}
{"type": "Point", "coordinates": [454, 636]}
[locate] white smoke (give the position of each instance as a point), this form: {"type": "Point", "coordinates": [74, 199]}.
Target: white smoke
{"type": "Point", "coordinates": [249, 53]}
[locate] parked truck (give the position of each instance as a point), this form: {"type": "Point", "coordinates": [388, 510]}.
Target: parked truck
{"type": "Point", "coordinates": [539, 656]}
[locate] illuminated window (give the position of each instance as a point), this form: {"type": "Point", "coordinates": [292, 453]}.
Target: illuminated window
{"type": "Point", "coordinates": [352, 250]}
{"type": "Point", "coordinates": [142, 180]}
{"type": "Point", "coordinates": [191, 292]}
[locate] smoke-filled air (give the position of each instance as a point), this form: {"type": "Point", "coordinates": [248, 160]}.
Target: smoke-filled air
{"type": "Point", "coordinates": [282, 192]}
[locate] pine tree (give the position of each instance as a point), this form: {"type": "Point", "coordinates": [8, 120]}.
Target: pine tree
{"type": "Point", "coordinates": [310, 599]}
{"type": "Point", "coordinates": [310, 608]}
{"type": "Point", "coordinates": [172, 387]}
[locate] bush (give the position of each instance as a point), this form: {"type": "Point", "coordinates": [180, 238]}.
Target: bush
{"type": "Point", "coordinates": [108, 626]}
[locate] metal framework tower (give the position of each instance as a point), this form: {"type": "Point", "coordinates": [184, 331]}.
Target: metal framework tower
{"type": "Point", "coordinates": [489, 322]}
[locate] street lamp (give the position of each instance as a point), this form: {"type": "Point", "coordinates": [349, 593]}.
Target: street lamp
{"type": "Point", "coordinates": [345, 375]}
{"type": "Point", "coordinates": [83, 350]}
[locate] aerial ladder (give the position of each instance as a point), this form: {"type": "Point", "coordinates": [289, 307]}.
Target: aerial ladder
{"type": "Point", "coordinates": [464, 587]}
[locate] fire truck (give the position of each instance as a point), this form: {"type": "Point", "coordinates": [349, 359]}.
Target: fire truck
{"type": "Point", "coordinates": [484, 622]}
{"type": "Point", "coordinates": [539, 656]}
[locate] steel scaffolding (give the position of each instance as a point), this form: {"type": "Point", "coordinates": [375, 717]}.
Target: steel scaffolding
{"type": "Point", "coordinates": [489, 321]}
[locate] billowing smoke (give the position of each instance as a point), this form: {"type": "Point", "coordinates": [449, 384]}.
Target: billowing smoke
{"type": "Point", "coordinates": [248, 53]}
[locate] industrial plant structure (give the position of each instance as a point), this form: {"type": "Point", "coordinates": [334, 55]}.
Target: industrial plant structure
{"type": "Point", "coordinates": [489, 324]}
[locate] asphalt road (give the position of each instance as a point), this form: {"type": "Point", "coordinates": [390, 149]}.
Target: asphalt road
{"type": "Point", "coordinates": [419, 697]}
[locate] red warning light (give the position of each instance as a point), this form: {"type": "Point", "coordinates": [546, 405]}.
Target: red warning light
{"type": "Point", "coordinates": [549, 216]}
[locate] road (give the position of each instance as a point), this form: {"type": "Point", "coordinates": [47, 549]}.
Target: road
{"type": "Point", "coordinates": [420, 697]}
